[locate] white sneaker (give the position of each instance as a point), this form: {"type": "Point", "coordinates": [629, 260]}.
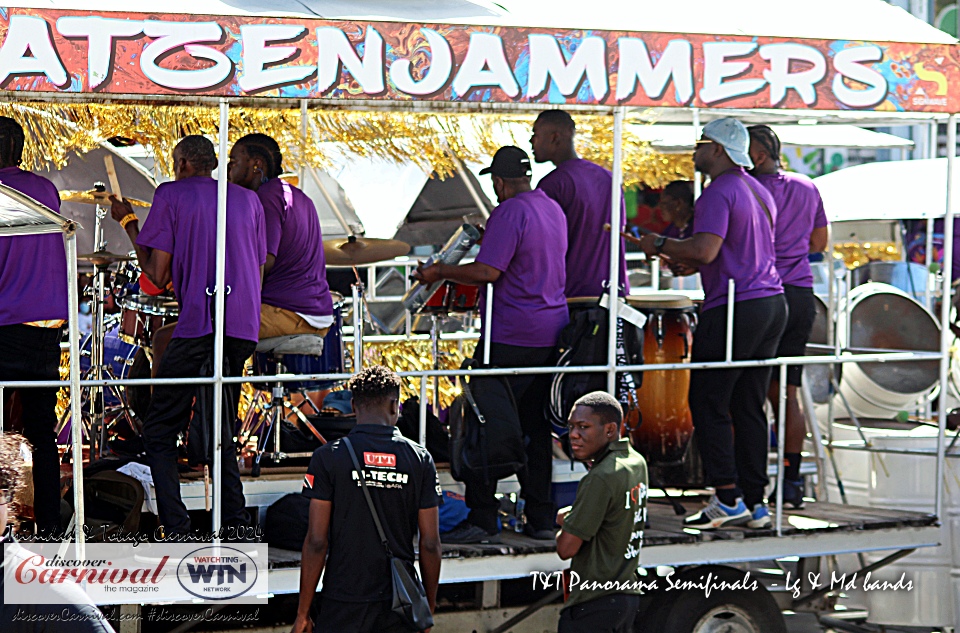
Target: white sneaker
{"type": "Point", "coordinates": [760, 518]}
{"type": "Point", "coordinates": [715, 514]}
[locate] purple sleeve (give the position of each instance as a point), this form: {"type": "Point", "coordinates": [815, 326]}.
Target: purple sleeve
{"type": "Point", "coordinates": [820, 217]}
{"type": "Point", "coordinates": [263, 234]}
{"type": "Point", "coordinates": [157, 231]}
{"type": "Point", "coordinates": [273, 212]}
{"type": "Point", "coordinates": [52, 197]}
{"type": "Point", "coordinates": [711, 213]}
{"type": "Point", "coordinates": [500, 242]}
{"type": "Point", "coordinates": [316, 483]}
{"type": "Point", "coordinates": [557, 186]}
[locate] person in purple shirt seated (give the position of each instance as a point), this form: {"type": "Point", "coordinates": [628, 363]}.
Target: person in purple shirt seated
{"type": "Point", "coordinates": [522, 255]}
{"type": "Point", "coordinates": [732, 240]}
{"type": "Point", "coordinates": [676, 205]}
{"type": "Point", "coordinates": [33, 307]}
{"type": "Point", "coordinates": [582, 189]}
{"type": "Point", "coordinates": [178, 243]}
{"type": "Point", "coordinates": [801, 230]}
{"type": "Point", "coordinates": [295, 296]}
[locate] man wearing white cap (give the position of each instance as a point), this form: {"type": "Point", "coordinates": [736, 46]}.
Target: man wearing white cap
{"type": "Point", "coordinates": [732, 240]}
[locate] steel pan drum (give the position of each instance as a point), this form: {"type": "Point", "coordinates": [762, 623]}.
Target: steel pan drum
{"type": "Point", "coordinates": [909, 277]}
{"type": "Point", "coordinates": [817, 377]}
{"type": "Point", "coordinates": [884, 317]}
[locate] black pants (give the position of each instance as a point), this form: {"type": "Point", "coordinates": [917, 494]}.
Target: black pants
{"type": "Point", "coordinates": [530, 392]}
{"type": "Point", "coordinates": [801, 312]}
{"type": "Point", "coordinates": [169, 415]}
{"type": "Point", "coordinates": [614, 613]}
{"type": "Point", "coordinates": [358, 617]}
{"type": "Point", "coordinates": [727, 404]}
{"type": "Point", "coordinates": [33, 353]}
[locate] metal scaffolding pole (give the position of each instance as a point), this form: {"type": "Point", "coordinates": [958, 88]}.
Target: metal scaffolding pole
{"type": "Point", "coordinates": [614, 286]}
{"type": "Point", "coordinates": [219, 301]}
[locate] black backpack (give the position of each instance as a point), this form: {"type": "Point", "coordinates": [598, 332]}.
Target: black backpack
{"type": "Point", "coordinates": [584, 342]}
{"type": "Point", "coordinates": [288, 519]}
{"type": "Point", "coordinates": [486, 441]}
{"type": "Point", "coordinates": [438, 440]}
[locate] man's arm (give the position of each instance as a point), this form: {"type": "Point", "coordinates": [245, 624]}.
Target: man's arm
{"type": "Point", "coordinates": [271, 260]}
{"type": "Point", "coordinates": [567, 544]}
{"type": "Point", "coordinates": [474, 274]}
{"type": "Point", "coordinates": [314, 557]}
{"type": "Point", "coordinates": [428, 521]}
{"type": "Point", "coordinates": [156, 264]}
{"type": "Point", "coordinates": [696, 251]}
{"type": "Point", "coordinates": [819, 238]}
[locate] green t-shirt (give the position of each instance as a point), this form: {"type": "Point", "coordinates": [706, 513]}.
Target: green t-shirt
{"type": "Point", "coordinates": [608, 514]}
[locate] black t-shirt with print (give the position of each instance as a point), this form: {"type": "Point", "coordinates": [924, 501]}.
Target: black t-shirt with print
{"type": "Point", "coordinates": [402, 480]}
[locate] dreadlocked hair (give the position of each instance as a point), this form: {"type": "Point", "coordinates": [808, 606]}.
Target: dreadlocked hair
{"type": "Point", "coordinates": [264, 147]}
{"type": "Point", "coordinates": [198, 151]}
{"type": "Point", "coordinates": [373, 385]}
{"type": "Point", "coordinates": [603, 406]}
{"type": "Point", "coordinates": [11, 463]}
{"type": "Point", "coordinates": [11, 141]}
{"type": "Point", "coordinates": [767, 138]}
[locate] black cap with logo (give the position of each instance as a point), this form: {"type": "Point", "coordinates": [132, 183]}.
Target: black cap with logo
{"type": "Point", "coordinates": [509, 162]}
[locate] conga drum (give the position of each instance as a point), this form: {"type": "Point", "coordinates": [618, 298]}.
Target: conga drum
{"type": "Point", "coordinates": [665, 426]}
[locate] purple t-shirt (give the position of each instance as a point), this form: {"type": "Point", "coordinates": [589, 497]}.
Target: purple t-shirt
{"type": "Point", "coordinates": [183, 222]}
{"type": "Point", "coordinates": [33, 268]}
{"type": "Point", "coordinates": [582, 189]}
{"type": "Point", "coordinates": [729, 209]}
{"type": "Point", "coordinates": [298, 279]}
{"type": "Point", "coordinates": [526, 239]}
{"type": "Point", "coordinates": [799, 211]}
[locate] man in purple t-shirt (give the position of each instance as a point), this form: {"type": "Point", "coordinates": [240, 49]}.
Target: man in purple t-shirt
{"type": "Point", "coordinates": [178, 244]}
{"type": "Point", "coordinates": [522, 255]}
{"type": "Point", "coordinates": [732, 240]}
{"type": "Point", "coordinates": [801, 230]}
{"type": "Point", "coordinates": [33, 307]}
{"type": "Point", "coordinates": [583, 190]}
{"type": "Point", "coordinates": [296, 298]}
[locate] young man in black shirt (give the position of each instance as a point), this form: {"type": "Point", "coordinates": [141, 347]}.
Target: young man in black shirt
{"type": "Point", "coordinates": [402, 478]}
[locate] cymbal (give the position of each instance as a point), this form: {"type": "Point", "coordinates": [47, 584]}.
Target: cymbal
{"type": "Point", "coordinates": [354, 251]}
{"type": "Point", "coordinates": [92, 196]}
{"type": "Point", "coordinates": [104, 258]}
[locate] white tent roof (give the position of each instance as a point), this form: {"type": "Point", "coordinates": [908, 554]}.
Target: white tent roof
{"type": "Point", "coordinates": [889, 190]}
{"type": "Point", "coordinates": [680, 138]}
{"type": "Point", "coordinates": [22, 215]}
{"type": "Point", "coordinates": [871, 20]}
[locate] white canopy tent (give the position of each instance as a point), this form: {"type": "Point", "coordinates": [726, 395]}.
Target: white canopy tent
{"type": "Point", "coordinates": [678, 138]}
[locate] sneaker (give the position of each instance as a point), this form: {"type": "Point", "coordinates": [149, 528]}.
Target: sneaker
{"type": "Point", "coordinates": [467, 533]}
{"type": "Point", "coordinates": [547, 534]}
{"type": "Point", "coordinates": [792, 494]}
{"type": "Point", "coordinates": [716, 515]}
{"type": "Point", "coordinates": [760, 518]}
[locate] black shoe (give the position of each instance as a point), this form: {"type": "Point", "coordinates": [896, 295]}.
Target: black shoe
{"type": "Point", "coordinates": [467, 533]}
{"type": "Point", "coordinates": [792, 494]}
{"type": "Point", "coordinates": [546, 534]}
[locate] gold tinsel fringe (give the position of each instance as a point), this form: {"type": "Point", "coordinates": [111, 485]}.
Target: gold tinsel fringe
{"type": "Point", "coordinates": [429, 140]}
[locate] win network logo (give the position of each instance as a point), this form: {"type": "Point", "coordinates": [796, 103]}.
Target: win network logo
{"type": "Point", "coordinates": [217, 573]}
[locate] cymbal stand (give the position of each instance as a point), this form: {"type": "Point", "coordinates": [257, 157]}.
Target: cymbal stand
{"type": "Point", "coordinates": [97, 429]}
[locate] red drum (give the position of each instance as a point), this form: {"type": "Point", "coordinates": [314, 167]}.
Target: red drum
{"type": "Point", "coordinates": [665, 426]}
{"type": "Point", "coordinates": [142, 315]}
{"type": "Point", "coordinates": [452, 298]}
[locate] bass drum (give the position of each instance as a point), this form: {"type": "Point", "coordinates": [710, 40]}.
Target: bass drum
{"type": "Point", "coordinates": [884, 317]}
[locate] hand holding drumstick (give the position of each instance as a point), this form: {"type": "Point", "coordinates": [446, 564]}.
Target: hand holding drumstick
{"type": "Point", "coordinates": [645, 242]}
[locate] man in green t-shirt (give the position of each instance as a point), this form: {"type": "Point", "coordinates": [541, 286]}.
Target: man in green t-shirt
{"type": "Point", "coordinates": [603, 531]}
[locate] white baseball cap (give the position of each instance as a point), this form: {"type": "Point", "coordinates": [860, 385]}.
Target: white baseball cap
{"type": "Point", "coordinates": [733, 136]}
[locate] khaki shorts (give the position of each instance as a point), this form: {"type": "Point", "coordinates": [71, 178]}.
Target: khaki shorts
{"type": "Point", "coordinates": [276, 321]}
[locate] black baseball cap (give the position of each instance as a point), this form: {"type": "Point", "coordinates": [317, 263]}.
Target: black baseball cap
{"type": "Point", "coordinates": [509, 162]}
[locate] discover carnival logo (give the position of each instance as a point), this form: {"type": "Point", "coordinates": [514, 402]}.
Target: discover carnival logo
{"type": "Point", "coordinates": [217, 573]}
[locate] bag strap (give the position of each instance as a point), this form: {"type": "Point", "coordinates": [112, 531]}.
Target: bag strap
{"type": "Point", "coordinates": [758, 199]}
{"type": "Point", "coordinates": [366, 493]}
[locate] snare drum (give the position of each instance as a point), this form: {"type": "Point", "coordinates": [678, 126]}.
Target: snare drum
{"type": "Point", "coordinates": [666, 424]}
{"type": "Point", "coordinates": [142, 315]}
{"type": "Point", "coordinates": [331, 361]}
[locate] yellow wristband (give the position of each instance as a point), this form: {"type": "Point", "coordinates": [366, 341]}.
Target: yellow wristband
{"type": "Point", "coordinates": [127, 219]}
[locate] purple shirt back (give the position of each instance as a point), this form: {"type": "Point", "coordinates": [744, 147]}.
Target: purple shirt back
{"type": "Point", "coordinates": [729, 209]}
{"type": "Point", "coordinates": [183, 222]}
{"type": "Point", "coordinates": [526, 239]}
{"type": "Point", "coordinates": [298, 279]}
{"type": "Point", "coordinates": [799, 211]}
{"type": "Point", "coordinates": [582, 189]}
{"type": "Point", "coordinates": [33, 268]}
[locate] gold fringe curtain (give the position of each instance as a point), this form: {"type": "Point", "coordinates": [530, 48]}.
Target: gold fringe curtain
{"type": "Point", "coordinates": [429, 140]}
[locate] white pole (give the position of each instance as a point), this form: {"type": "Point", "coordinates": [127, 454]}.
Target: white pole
{"type": "Point", "coordinates": [697, 185]}
{"type": "Point", "coordinates": [76, 416]}
{"type": "Point", "coordinates": [304, 135]}
{"type": "Point", "coordinates": [614, 286]}
{"type": "Point", "coordinates": [731, 297]}
{"type": "Point", "coordinates": [928, 251]}
{"type": "Point", "coordinates": [945, 332]}
{"type": "Point", "coordinates": [423, 410]}
{"type": "Point", "coordinates": [357, 328]}
{"type": "Point", "coordinates": [219, 302]}
{"type": "Point", "coordinates": [781, 438]}
{"type": "Point", "coordinates": [487, 324]}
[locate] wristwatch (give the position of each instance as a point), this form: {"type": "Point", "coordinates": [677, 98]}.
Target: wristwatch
{"type": "Point", "coordinates": [658, 243]}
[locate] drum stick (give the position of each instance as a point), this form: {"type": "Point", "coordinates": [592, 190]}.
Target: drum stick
{"type": "Point", "coordinates": [628, 236]}
{"type": "Point", "coordinates": [112, 176]}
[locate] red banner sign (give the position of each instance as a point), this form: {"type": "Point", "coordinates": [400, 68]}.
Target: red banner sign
{"type": "Point", "coordinates": [162, 54]}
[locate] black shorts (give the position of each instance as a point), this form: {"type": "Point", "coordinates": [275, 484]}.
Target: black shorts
{"type": "Point", "coordinates": [612, 613]}
{"type": "Point", "coordinates": [358, 617]}
{"type": "Point", "coordinates": [801, 311]}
